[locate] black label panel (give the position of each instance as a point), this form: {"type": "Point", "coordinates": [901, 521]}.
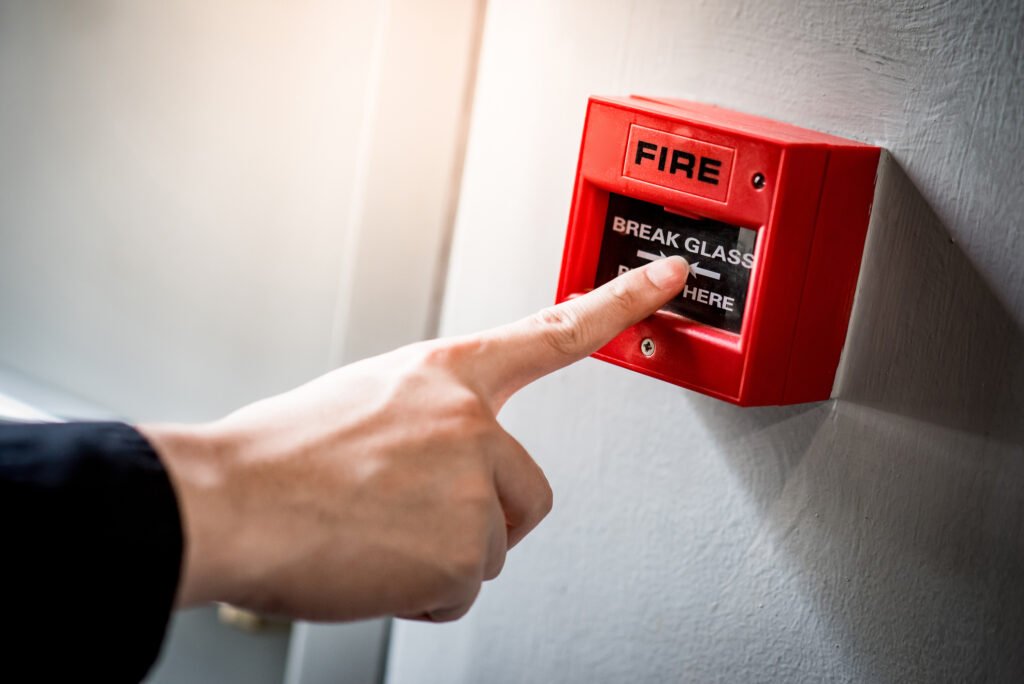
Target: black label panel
{"type": "Point", "coordinates": [720, 255]}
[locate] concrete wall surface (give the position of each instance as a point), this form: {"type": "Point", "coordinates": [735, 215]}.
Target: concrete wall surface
{"type": "Point", "coordinates": [877, 537]}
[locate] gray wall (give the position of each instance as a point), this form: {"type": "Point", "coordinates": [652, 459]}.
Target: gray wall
{"type": "Point", "coordinates": [203, 203]}
{"type": "Point", "coordinates": [170, 216]}
{"type": "Point", "coordinates": [878, 537]}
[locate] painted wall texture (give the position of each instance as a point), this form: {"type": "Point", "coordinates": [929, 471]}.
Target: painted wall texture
{"type": "Point", "coordinates": [198, 200]}
{"type": "Point", "coordinates": [172, 204]}
{"type": "Point", "coordinates": [878, 537]}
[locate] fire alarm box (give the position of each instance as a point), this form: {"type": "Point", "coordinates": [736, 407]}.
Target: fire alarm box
{"type": "Point", "coordinates": [771, 218]}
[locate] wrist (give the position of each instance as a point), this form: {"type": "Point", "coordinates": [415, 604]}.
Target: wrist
{"type": "Point", "coordinates": [198, 462]}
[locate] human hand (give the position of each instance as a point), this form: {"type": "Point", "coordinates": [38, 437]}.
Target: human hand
{"type": "Point", "coordinates": [386, 486]}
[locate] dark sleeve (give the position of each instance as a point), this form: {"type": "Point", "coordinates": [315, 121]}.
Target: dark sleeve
{"type": "Point", "coordinates": [90, 552]}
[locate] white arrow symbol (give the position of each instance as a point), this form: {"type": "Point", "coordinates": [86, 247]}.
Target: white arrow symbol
{"type": "Point", "coordinates": [695, 268]}
{"type": "Point", "coordinates": [698, 271]}
{"type": "Point", "coordinates": [650, 256]}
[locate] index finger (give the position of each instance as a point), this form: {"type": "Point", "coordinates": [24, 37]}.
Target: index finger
{"type": "Point", "coordinates": [514, 355]}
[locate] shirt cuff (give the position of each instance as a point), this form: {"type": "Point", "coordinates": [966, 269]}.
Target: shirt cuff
{"type": "Point", "coordinates": [93, 542]}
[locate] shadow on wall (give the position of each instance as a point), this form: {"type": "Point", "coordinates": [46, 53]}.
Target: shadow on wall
{"type": "Point", "coordinates": [898, 509]}
{"type": "Point", "coordinates": [924, 467]}
{"type": "Point", "coordinates": [928, 338]}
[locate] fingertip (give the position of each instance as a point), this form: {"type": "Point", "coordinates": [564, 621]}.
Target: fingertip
{"type": "Point", "coordinates": [669, 273]}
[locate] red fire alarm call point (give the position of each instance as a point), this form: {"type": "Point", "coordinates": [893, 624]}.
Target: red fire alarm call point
{"type": "Point", "coordinates": [771, 218]}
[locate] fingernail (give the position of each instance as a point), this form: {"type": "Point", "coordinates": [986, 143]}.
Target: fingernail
{"type": "Point", "coordinates": [670, 272]}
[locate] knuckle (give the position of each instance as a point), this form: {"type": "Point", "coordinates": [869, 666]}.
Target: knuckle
{"type": "Point", "coordinates": [540, 504]}
{"type": "Point", "coordinates": [495, 567]}
{"type": "Point", "coordinates": [446, 353]}
{"type": "Point", "coordinates": [466, 571]}
{"type": "Point", "coordinates": [433, 354]}
{"type": "Point", "coordinates": [546, 499]}
{"type": "Point", "coordinates": [622, 296]}
{"type": "Point", "coordinates": [542, 496]}
{"type": "Point", "coordinates": [469, 405]}
{"type": "Point", "coordinates": [561, 328]}
{"type": "Point", "coordinates": [451, 614]}
{"type": "Point", "coordinates": [466, 418]}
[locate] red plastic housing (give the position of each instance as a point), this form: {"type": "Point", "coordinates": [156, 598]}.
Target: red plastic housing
{"type": "Point", "coordinates": [806, 194]}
